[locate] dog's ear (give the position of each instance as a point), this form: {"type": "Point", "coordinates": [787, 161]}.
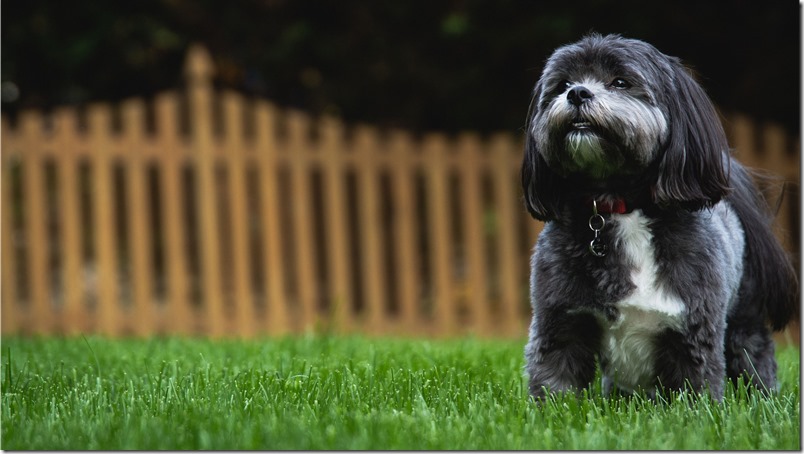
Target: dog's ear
{"type": "Point", "coordinates": [540, 185]}
{"type": "Point", "coordinates": [694, 171]}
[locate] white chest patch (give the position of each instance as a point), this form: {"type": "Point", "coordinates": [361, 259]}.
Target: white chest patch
{"type": "Point", "coordinates": [628, 342]}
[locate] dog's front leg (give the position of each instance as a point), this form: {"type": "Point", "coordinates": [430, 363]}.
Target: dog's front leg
{"type": "Point", "coordinates": [561, 353]}
{"type": "Point", "coordinates": [694, 359]}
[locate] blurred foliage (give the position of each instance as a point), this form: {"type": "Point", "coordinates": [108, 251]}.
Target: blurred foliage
{"type": "Point", "coordinates": [421, 64]}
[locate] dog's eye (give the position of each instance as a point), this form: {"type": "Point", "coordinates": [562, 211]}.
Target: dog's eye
{"type": "Point", "coordinates": [563, 85]}
{"type": "Point", "coordinates": [620, 83]}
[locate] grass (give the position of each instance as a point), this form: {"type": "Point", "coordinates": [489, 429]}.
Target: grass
{"type": "Point", "coordinates": [341, 393]}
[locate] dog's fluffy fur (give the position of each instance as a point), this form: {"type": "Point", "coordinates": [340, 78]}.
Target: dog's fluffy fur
{"type": "Point", "coordinates": [693, 279]}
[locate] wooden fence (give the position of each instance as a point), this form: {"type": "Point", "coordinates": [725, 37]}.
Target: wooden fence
{"type": "Point", "coordinates": [204, 213]}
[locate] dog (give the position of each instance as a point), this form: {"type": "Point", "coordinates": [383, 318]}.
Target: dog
{"type": "Point", "coordinates": [657, 260]}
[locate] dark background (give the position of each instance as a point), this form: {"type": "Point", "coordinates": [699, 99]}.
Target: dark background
{"type": "Point", "coordinates": [421, 64]}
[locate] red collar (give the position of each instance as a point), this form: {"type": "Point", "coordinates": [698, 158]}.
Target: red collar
{"type": "Point", "coordinates": [610, 206]}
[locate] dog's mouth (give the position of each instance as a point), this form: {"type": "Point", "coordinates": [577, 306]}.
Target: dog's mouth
{"type": "Point", "coordinates": [581, 124]}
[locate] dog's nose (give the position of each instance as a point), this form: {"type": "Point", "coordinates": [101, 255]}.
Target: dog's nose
{"type": "Point", "coordinates": [579, 95]}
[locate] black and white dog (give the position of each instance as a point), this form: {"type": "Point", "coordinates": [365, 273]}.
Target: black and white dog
{"type": "Point", "coordinates": [657, 257]}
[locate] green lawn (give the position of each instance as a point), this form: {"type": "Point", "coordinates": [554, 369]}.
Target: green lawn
{"type": "Point", "coordinates": [347, 393]}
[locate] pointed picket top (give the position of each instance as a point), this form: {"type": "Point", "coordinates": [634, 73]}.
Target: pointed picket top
{"type": "Point", "coordinates": [198, 64]}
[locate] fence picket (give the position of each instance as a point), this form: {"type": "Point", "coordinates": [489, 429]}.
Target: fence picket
{"type": "Point", "coordinates": [742, 133]}
{"type": "Point", "coordinates": [9, 305]}
{"type": "Point", "coordinates": [435, 150]}
{"type": "Point", "coordinates": [38, 276]}
{"type": "Point", "coordinates": [274, 275]}
{"type": "Point", "coordinates": [510, 269]}
{"type": "Point", "coordinates": [108, 308]}
{"type": "Point", "coordinates": [139, 217]}
{"type": "Point", "coordinates": [299, 149]}
{"type": "Point", "coordinates": [199, 80]}
{"type": "Point", "coordinates": [366, 146]}
{"type": "Point", "coordinates": [74, 312]}
{"type": "Point", "coordinates": [778, 163]}
{"type": "Point", "coordinates": [402, 175]}
{"type": "Point", "coordinates": [341, 295]}
{"type": "Point", "coordinates": [476, 285]}
{"type": "Point", "coordinates": [239, 217]}
{"type": "Point", "coordinates": [180, 318]}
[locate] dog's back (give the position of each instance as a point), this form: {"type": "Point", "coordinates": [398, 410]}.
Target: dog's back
{"type": "Point", "coordinates": [769, 290]}
{"type": "Point", "coordinates": [768, 294]}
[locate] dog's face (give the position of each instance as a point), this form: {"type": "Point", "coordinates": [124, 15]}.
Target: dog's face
{"type": "Point", "coordinates": [608, 108]}
{"type": "Point", "coordinates": [598, 111]}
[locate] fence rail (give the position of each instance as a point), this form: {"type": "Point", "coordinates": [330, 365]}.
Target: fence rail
{"type": "Point", "coordinates": [206, 213]}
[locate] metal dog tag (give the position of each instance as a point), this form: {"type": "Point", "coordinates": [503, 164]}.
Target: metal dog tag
{"type": "Point", "coordinates": [597, 247]}
{"type": "Point", "coordinates": [596, 222]}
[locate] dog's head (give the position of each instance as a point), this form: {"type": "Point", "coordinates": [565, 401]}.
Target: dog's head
{"type": "Point", "coordinates": [609, 109]}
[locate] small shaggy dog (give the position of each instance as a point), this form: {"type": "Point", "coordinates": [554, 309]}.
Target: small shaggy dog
{"type": "Point", "coordinates": [657, 257]}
